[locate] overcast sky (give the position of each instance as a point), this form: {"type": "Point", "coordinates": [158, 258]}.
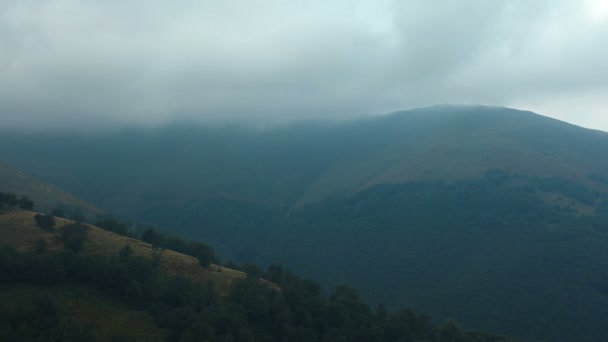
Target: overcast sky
{"type": "Point", "coordinates": [114, 62]}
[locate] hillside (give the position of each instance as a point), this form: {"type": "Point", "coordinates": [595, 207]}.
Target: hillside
{"type": "Point", "coordinates": [53, 289]}
{"type": "Point", "coordinates": [492, 216]}
{"type": "Point", "coordinates": [287, 167]}
{"type": "Point", "coordinates": [18, 229]}
{"type": "Point", "coordinates": [450, 143]}
{"type": "Point", "coordinates": [83, 312]}
{"type": "Point", "coordinates": [86, 314]}
{"type": "Point", "coordinates": [46, 196]}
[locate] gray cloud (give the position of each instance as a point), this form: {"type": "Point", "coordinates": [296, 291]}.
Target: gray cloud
{"type": "Point", "coordinates": [98, 63]}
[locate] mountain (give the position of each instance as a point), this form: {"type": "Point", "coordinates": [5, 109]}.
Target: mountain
{"type": "Point", "coordinates": [68, 280]}
{"type": "Point", "coordinates": [449, 143]}
{"type": "Point", "coordinates": [294, 165]}
{"type": "Point", "coordinates": [20, 231]}
{"type": "Point", "coordinates": [46, 196]}
{"type": "Point", "coordinates": [492, 216]}
{"type": "Point", "coordinates": [45, 286]}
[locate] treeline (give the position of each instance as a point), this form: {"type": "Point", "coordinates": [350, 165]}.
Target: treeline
{"type": "Point", "coordinates": [73, 235]}
{"type": "Point", "coordinates": [10, 200]}
{"type": "Point", "coordinates": [191, 311]}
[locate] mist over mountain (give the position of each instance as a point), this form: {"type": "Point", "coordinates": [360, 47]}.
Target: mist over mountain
{"type": "Point", "coordinates": [304, 137]}
{"type": "Point", "coordinates": [492, 216]}
{"type": "Point", "coordinates": [65, 67]}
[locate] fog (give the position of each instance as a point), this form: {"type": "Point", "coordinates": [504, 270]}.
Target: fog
{"type": "Point", "coordinates": [89, 64]}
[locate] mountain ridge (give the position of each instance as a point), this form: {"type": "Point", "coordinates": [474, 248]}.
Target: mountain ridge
{"type": "Point", "coordinates": [471, 202]}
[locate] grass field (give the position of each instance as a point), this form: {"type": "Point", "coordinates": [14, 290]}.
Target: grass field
{"type": "Point", "coordinates": [18, 229]}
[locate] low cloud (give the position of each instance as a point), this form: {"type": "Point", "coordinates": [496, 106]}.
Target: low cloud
{"type": "Point", "coordinates": [70, 63]}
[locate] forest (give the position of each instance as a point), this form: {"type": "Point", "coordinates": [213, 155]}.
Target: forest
{"type": "Point", "coordinates": [190, 311]}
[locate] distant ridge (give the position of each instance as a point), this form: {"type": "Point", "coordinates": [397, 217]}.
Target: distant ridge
{"type": "Point", "coordinates": [46, 196]}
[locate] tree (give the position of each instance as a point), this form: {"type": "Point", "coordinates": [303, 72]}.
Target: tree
{"type": "Point", "coordinates": [451, 332]}
{"type": "Point", "coordinates": [74, 235]}
{"type": "Point", "coordinates": [151, 236]}
{"type": "Point", "coordinates": [46, 222]}
{"type": "Point", "coordinates": [41, 246]}
{"type": "Point", "coordinates": [78, 217]}
{"type": "Point", "coordinates": [112, 225]}
{"type": "Point", "coordinates": [10, 199]}
{"type": "Point", "coordinates": [125, 252]}
{"type": "Point", "coordinates": [57, 212]}
{"type": "Point", "coordinates": [252, 270]}
{"type": "Point", "coordinates": [381, 313]}
{"type": "Point", "coordinates": [26, 203]}
{"type": "Point", "coordinates": [202, 252]}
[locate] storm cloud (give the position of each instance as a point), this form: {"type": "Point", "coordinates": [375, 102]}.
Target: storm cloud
{"type": "Point", "coordinates": [68, 63]}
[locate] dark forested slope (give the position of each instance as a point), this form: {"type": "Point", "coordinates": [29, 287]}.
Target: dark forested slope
{"type": "Point", "coordinates": [500, 214]}
{"type": "Point", "coordinates": [69, 281]}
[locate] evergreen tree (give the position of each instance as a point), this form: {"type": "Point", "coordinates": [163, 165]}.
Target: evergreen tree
{"type": "Point", "coordinates": [26, 203]}
{"type": "Point", "coordinates": [46, 222]}
{"type": "Point", "coordinates": [74, 236]}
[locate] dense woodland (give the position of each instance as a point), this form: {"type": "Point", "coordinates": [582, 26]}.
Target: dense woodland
{"type": "Point", "coordinates": [189, 311]}
{"type": "Point", "coordinates": [522, 243]}
{"type": "Point", "coordinates": [406, 229]}
{"type": "Point", "coordinates": [194, 312]}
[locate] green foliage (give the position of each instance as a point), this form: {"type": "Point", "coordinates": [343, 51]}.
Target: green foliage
{"type": "Point", "coordinates": [58, 212]}
{"type": "Point", "coordinates": [569, 188]}
{"type": "Point", "coordinates": [8, 199]}
{"type": "Point", "coordinates": [46, 222]}
{"type": "Point", "coordinates": [125, 252]}
{"type": "Point", "coordinates": [191, 312]}
{"type": "Point", "coordinates": [483, 244]}
{"type": "Point", "coordinates": [74, 235]}
{"type": "Point", "coordinates": [113, 225]}
{"type": "Point", "coordinates": [26, 203]}
{"type": "Point", "coordinates": [78, 217]}
{"type": "Point", "coordinates": [466, 240]}
{"type": "Point", "coordinates": [36, 322]}
{"type": "Point", "coordinates": [253, 271]}
{"type": "Point", "coordinates": [203, 252]}
{"type": "Point", "coordinates": [11, 200]}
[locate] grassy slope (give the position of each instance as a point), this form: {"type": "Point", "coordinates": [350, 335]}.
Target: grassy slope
{"type": "Point", "coordinates": [108, 315]}
{"type": "Point", "coordinates": [44, 195]}
{"type": "Point", "coordinates": [18, 229]}
{"type": "Point", "coordinates": [451, 143]}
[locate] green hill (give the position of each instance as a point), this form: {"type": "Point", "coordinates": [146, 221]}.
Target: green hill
{"type": "Point", "coordinates": [287, 167]}
{"type": "Point", "coordinates": [54, 289]}
{"type": "Point", "coordinates": [46, 196]}
{"type": "Point", "coordinates": [19, 230]}
{"type": "Point", "coordinates": [492, 216]}
{"type": "Point", "coordinates": [71, 310]}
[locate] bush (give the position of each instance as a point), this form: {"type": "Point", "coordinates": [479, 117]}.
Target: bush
{"type": "Point", "coordinates": [74, 235]}
{"type": "Point", "coordinates": [112, 225]}
{"type": "Point", "coordinates": [46, 222]}
{"type": "Point", "coordinates": [26, 203]}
